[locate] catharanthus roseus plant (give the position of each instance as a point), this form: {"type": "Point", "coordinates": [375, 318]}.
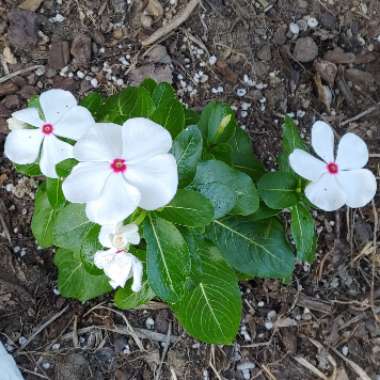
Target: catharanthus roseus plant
{"type": "Point", "coordinates": [148, 199]}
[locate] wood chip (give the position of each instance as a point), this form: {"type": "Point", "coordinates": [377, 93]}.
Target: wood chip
{"type": "Point", "coordinates": [30, 5]}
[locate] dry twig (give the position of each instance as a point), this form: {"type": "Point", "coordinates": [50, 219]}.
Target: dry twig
{"type": "Point", "coordinates": [19, 72]}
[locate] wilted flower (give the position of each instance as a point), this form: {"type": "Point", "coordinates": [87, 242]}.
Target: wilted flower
{"type": "Point", "coordinates": [62, 118]}
{"type": "Point", "coordinates": [117, 263]}
{"type": "Point", "coordinates": [335, 182]}
{"type": "Point", "coordinates": [122, 168]}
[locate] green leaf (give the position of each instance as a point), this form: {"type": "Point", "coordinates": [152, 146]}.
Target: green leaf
{"type": "Point", "coordinates": [70, 227]}
{"type": "Point", "coordinates": [90, 245]}
{"type": "Point", "coordinates": [243, 157]}
{"type": "Point", "coordinates": [64, 167]}
{"type": "Point", "coordinates": [168, 259]}
{"type": "Point", "coordinates": [162, 93]}
{"type": "Point", "coordinates": [191, 117]}
{"type": "Point", "coordinates": [43, 220]}
{"type": "Point", "coordinates": [187, 150]}
{"type": "Point", "coordinates": [217, 123]}
{"type": "Point", "coordinates": [220, 184]}
{"type": "Point", "coordinates": [74, 281]}
{"type": "Point", "coordinates": [94, 103]}
{"type": "Point", "coordinates": [130, 102]}
{"type": "Point", "coordinates": [189, 208]}
{"type": "Point", "coordinates": [31, 170]}
{"type": "Point", "coordinates": [170, 114]}
{"type": "Point", "coordinates": [303, 232]}
{"type": "Point", "coordinates": [222, 152]}
{"type": "Point", "coordinates": [278, 189]}
{"type": "Point", "coordinates": [54, 192]}
{"type": "Point", "coordinates": [211, 307]}
{"type": "Point", "coordinates": [291, 139]}
{"type": "Point", "coordinates": [254, 248]}
{"type": "Point", "coordinates": [125, 298]}
{"type": "Point", "coordinates": [149, 85]}
{"type": "Point", "coordinates": [263, 213]}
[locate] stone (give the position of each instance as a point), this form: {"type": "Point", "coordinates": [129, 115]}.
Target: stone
{"type": "Point", "coordinates": [27, 92]}
{"type": "Point", "coordinates": [7, 88]}
{"type": "Point", "coordinates": [23, 29]}
{"type": "Point", "coordinates": [160, 73]}
{"type": "Point", "coordinates": [265, 54]}
{"type": "Point", "coordinates": [81, 49]}
{"type": "Point", "coordinates": [30, 5]}
{"type": "Point", "coordinates": [327, 70]}
{"type": "Point", "coordinates": [158, 54]}
{"type": "Point", "coordinates": [338, 55]}
{"type": "Point", "coordinates": [279, 36]}
{"type": "Point", "coordinates": [305, 50]}
{"type": "Point", "coordinates": [59, 55]}
{"type": "Point", "coordinates": [11, 102]}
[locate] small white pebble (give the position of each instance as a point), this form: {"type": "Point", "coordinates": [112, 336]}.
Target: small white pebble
{"type": "Point", "coordinates": [312, 22]}
{"type": "Point", "coordinates": [40, 71]}
{"type": "Point", "coordinates": [243, 114]}
{"type": "Point", "coordinates": [241, 92]}
{"type": "Point", "coordinates": [212, 60]}
{"type": "Point", "coordinates": [56, 291]}
{"type": "Point", "coordinates": [268, 325]}
{"type": "Point", "coordinates": [248, 81]}
{"type": "Point", "coordinates": [126, 350]}
{"type": "Point", "coordinates": [205, 374]}
{"type": "Point", "coordinates": [102, 50]}
{"type": "Point", "coordinates": [45, 365]}
{"type": "Point", "coordinates": [57, 18]}
{"type": "Point", "coordinates": [245, 106]}
{"type": "Point", "coordinates": [22, 341]}
{"type": "Point", "coordinates": [195, 346]}
{"type": "Point", "coordinates": [345, 350]}
{"type": "Point", "coordinates": [56, 346]}
{"type": "Point", "coordinates": [272, 315]}
{"type": "Point", "coordinates": [294, 28]}
{"type": "Point", "coordinates": [80, 74]}
{"type": "Point", "coordinates": [94, 82]}
{"type": "Point", "coordinates": [260, 304]}
{"type": "Point", "coordinates": [149, 323]}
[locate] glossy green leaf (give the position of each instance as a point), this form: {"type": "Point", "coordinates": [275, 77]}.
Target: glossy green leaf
{"type": "Point", "coordinates": [168, 259]}
{"type": "Point", "coordinates": [54, 192]}
{"type": "Point", "coordinates": [278, 189]}
{"type": "Point", "coordinates": [149, 84]}
{"type": "Point", "coordinates": [163, 93]}
{"type": "Point", "coordinates": [222, 152]}
{"type": "Point", "coordinates": [255, 248]}
{"type": "Point", "coordinates": [74, 281]}
{"type": "Point", "coordinates": [211, 307]}
{"type": "Point", "coordinates": [303, 232]}
{"type": "Point", "coordinates": [94, 103]}
{"type": "Point", "coordinates": [191, 117]}
{"type": "Point", "coordinates": [44, 217]}
{"type": "Point", "coordinates": [187, 150]}
{"type": "Point", "coordinates": [31, 170]}
{"type": "Point", "coordinates": [189, 208]}
{"type": "Point", "coordinates": [70, 227]}
{"type": "Point", "coordinates": [64, 167]}
{"type": "Point", "coordinates": [220, 183]}
{"type": "Point", "coordinates": [243, 157]}
{"type": "Point", "coordinates": [90, 245]}
{"type": "Point", "coordinates": [217, 123]}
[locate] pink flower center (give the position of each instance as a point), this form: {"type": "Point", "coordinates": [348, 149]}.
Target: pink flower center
{"type": "Point", "coordinates": [47, 129]}
{"type": "Point", "coordinates": [118, 165]}
{"type": "Point", "coordinates": [332, 168]}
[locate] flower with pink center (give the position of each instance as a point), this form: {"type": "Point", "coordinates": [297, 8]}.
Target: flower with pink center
{"type": "Point", "coordinates": [335, 181]}
{"type": "Point", "coordinates": [38, 137]}
{"type": "Point", "coordinates": [122, 168]}
{"type": "Point", "coordinates": [118, 264]}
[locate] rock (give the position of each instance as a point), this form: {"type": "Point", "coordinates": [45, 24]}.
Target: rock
{"type": "Point", "coordinates": [265, 54]}
{"type": "Point", "coordinates": [279, 37]}
{"type": "Point", "coordinates": [328, 20]}
{"type": "Point", "coordinates": [12, 102]}
{"type": "Point", "coordinates": [361, 78]}
{"type": "Point", "coordinates": [226, 72]}
{"type": "Point", "coordinates": [27, 92]}
{"type": "Point", "coordinates": [158, 54]}
{"type": "Point", "coordinates": [59, 55]}
{"type": "Point", "coordinates": [306, 50]}
{"type": "Point", "coordinates": [338, 55]}
{"type": "Point", "coordinates": [162, 321]}
{"type": "Point", "coordinates": [9, 56]}
{"type": "Point", "coordinates": [23, 29]}
{"type": "Point", "coordinates": [30, 5]}
{"type": "Point", "coordinates": [7, 88]}
{"type": "Point", "coordinates": [67, 84]}
{"type": "Point", "coordinates": [98, 37]}
{"type": "Point", "coordinates": [81, 49]}
{"type": "Point", "coordinates": [73, 367]}
{"type": "Point", "coordinates": [327, 70]}
{"type": "Point", "coordinates": [160, 73]}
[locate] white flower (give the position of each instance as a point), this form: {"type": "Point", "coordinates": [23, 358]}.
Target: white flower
{"type": "Point", "coordinates": [122, 168]}
{"type": "Point", "coordinates": [9, 369]}
{"type": "Point", "coordinates": [335, 182]}
{"type": "Point", "coordinates": [117, 263]}
{"type": "Point", "coordinates": [62, 117]}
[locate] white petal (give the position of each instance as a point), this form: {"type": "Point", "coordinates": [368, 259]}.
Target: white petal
{"type": "Point", "coordinates": [102, 142]}
{"type": "Point", "coordinates": [14, 124]}
{"type": "Point", "coordinates": [9, 369]}
{"type": "Point", "coordinates": [86, 181]}
{"type": "Point", "coordinates": [74, 123]}
{"type": "Point", "coordinates": [352, 152]}
{"type": "Point", "coordinates": [359, 186]}
{"type": "Point", "coordinates": [103, 258]}
{"type": "Point", "coordinates": [137, 271]}
{"type": "Point", "coordinates": [130, 233]}
{"type": "Point", "coordinates": [156, 179]}
{"type": "Point", "coordinates": [55, 103]}
{"type": "Point", "coordinates": [325, 193]}
{"type": "Point", "coordinates": [105, 235]}
{"type": "Point", "coordinates": [143, 139]}
{"type": "Point", "coordinates": [322, 140]}
{"type": "Point", "coordinates": [53, 152]}
{"type": "Point", "coordinates": [119, 269]}
{"type": "Point", "coordinates": [22, 146]}
{"type": "Point", "coordinates": [305, 165]}
{"type": "Point", "coordinates": [29, 116]}
{"type": "Point", "coordinates": [117, 201]}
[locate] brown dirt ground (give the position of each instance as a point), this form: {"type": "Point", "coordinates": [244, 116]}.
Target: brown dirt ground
{"type": "Point", "coordinates": [320, 326]}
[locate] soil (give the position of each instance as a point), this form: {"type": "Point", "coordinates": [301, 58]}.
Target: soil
{"type": "Point", "coordinates": [312, 59]}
